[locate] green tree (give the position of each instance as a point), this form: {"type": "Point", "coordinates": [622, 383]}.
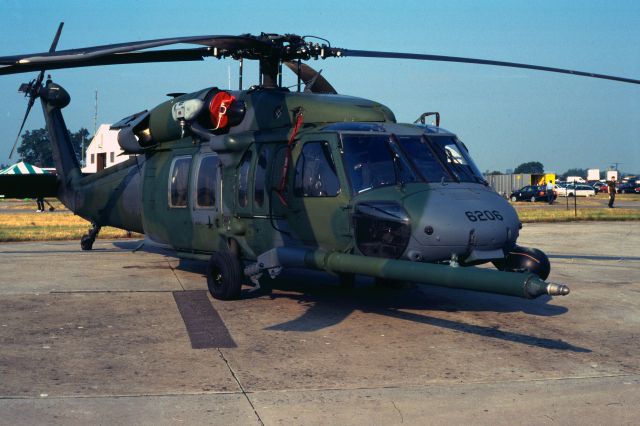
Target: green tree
{"type": "Point", "coordinates": [530, 167]}
{"type": "Point", "coordinates": [495, 172]}
{"type": "Point", "coordinates": [575, 172]}
{"type": "Point", "coordinates": [35, 147]}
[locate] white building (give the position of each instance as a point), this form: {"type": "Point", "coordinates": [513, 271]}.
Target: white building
{"type": "Point", "coordinates": [103, 151]}
{"type": "Point", "coordinates": [612, 174]}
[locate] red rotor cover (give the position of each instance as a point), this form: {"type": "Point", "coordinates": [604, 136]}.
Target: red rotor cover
{"type": "Point", "coordinates": [218, 109]}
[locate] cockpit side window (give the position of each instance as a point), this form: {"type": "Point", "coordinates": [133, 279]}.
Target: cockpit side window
{"type": "Point", "coordinates": [206, 182]}
{"type": "Point", "coordinates": [243, 179]}
{"type": "Point", "coordinates": [179, 182]}
{"type": "Point", "coordinates": [260, 181]}
{"type": "Point", "coordinates": [316, 172]}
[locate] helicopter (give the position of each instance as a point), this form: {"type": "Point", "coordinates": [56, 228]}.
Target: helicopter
{"type": "Point", "coordinates": [254, 181]}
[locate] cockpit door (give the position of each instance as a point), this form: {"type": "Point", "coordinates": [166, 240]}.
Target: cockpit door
{"type": "Point", "coordinates": [318, 197]}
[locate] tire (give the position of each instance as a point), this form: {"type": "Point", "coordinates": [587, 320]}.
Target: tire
{"type": "Point", "coordinates": [86, 243]}
{"type": "Point", "coordinates": [224, 276]}
{"type": "Point", "coordinates": [514, 199]}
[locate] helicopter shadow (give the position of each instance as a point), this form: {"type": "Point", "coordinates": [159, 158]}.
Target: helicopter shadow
{"type": "Point", "coordinates": [329, 305]}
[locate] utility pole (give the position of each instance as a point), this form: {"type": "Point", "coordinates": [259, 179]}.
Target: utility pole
{"type": "Point", "coordinates": [95, 116]}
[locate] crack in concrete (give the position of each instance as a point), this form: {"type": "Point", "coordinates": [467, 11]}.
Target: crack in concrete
{"type": "Point", "coordinates": [175, 275]}
{"type": "Point", "coordinates": [244, 392]}
{"type": "Point", "coordinates": [398, 410]}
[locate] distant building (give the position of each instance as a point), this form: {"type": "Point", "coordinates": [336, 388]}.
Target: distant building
{"type": "Point", "coordinates": [103, 151]}
{"type": "Point", "coordinates": [507, 183]}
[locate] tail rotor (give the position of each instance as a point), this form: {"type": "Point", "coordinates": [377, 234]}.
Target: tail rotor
{"type": "Point", "coordinates": [32, 89]}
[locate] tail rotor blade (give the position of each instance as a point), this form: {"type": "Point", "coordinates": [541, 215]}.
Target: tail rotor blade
{"type": "Point", "coordinates": [24, 120]}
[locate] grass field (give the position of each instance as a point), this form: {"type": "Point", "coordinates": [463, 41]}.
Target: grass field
{"type": "Point", "coordinates": [588, 209]}
{"type": "Point", "coordinates": [561, 215]}
{"type": "Point", "coordinates": [20, 222]}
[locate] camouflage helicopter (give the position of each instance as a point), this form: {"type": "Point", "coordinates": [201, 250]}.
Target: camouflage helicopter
{"type": "Point", "coordinates": [255, 181]}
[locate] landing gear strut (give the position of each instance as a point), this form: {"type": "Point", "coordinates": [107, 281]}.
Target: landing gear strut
{"type": "Point", "coordinates": [87, 240]}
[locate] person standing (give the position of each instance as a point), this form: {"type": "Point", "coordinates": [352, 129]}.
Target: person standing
{"type": "Point", "coordinates": [612, 191]}
{"type": "Point", "coordinates": [40, 201]}
{"type": "Point", "coordinates": [550, 192]}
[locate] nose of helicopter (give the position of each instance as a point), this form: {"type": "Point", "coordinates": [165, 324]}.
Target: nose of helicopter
{"type": "Point", "coordinates": [472, 222]}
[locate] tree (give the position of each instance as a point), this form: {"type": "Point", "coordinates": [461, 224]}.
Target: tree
{"type": "Point", "coordinates": [35, 147]}
{"type": "Point", "coordinates": [495, 172]}
{"type": "Point", "coordinates": [530, 167]}
{"type": "Point", "coordinates": [575, 172]}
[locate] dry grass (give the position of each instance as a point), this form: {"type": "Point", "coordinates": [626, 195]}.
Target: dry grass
{"type": "Point", "coordinates": [529, 215]}
{"type": "Point", "coordinates": [17, 224]}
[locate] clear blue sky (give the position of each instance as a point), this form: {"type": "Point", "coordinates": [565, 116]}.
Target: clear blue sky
{"type": "Point", "coordinates": [505, 116]}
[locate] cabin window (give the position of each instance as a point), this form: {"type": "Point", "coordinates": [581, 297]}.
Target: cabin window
{"type": "Point", "coordinates": [206, 182]}
{"type": "Point", "coordinates": [112, 158]}
{"type": "Point", "coordinates": [260, 181]}
{"type": "Point", "coordinates": [243, 179]}
{"type": "Point", "coordinates": [179, 182]}
{"type": "Point", "coordinates": [316, 172]}
{"type": "Point", "coordinates": [93, 158]}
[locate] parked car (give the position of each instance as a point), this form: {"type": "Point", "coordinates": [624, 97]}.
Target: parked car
{"type": "Point", "coordinates": [626, 188]}
{"type": "Point", "coordinates": [600, 187]}
{"type": "Point", "coordinates": [572, 189]}
{"type": "Point", "coordinates": [531, 193]}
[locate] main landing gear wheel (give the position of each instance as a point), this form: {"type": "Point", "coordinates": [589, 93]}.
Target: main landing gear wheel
{"type": "Point", "coordinates": [224, 276]}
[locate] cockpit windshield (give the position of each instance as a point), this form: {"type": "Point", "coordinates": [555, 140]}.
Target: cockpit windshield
{"type": "Point", "coordinates": [372, 161]}
{"type": "Point", "coordinates": [457, 158]}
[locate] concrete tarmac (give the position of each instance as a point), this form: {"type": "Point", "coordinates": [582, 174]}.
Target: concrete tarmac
{"type": "Point", "coordinates": [98, 338]}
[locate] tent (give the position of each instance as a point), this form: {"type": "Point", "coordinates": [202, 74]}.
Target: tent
{"type": "Point", "coordinates": [23, 168]}
{"type": "Point", "coordinates": [24, 180]}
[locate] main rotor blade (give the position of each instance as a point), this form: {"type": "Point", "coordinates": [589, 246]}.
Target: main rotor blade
{"type": "Point", "coordinates": [320, 85]}
{"type": "Point", "coordinates": [170, 55]}
{"type": "Point", "coordinates": [54, 43]}
{"type": "Point", "coordinates": [397, 55]}
{"type": "Point", "coordinates": [68, 58]}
